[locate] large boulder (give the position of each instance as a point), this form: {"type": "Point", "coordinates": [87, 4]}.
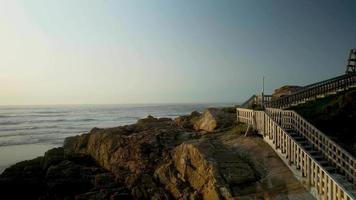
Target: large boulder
{"type": "Point", "coordinates": [204, 169]}
{"type": "Point", "coordinates": [215, 118]}
{"type": "Point", "coordinates": [188, 121]}
{"type": "Point", "coordinates": [24, 180]}
{"type": "Point", "coordinates": [59, 176]}
{"type": "Point", "coordinates": [134, 148]}
{"type": "Point", "coordinates": [133, 152]}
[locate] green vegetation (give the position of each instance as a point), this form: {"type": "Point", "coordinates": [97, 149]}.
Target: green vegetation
{"type": "Point", "coordinates": [334, 115]}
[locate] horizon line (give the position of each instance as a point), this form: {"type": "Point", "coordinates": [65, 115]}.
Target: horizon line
{"type": "Point", "coordinates": [108, 104]}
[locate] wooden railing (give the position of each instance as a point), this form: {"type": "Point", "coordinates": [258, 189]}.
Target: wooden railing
{"type": "Point", "coordinates": [256, 100]}
{"type": "Point", "coordinates": [313, 91]}
{"type": "Point", "coordinates": [327, 185]}
{"type": "Point", "coordinates": [340, 158]}
{"type": "Point", "coordinates": [249, 102]}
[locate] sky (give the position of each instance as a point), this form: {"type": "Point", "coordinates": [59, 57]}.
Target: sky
{"type": "Point", "coordinates": [186, 51]}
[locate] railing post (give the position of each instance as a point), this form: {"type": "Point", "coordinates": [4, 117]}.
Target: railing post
{"type": "Point", "coordinates": [237, 115]}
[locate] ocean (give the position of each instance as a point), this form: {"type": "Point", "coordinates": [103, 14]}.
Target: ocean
{"type": "Point", "coordinates": [28, 131]}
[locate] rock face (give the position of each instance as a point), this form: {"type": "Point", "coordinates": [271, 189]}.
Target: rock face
{"type": "Point", "coordinates": [196, 172]}
{"type": "Point", "coordinates": [215, 118]}
{"type": "Point", "coordinates": [162, 159]}
{"type": "Point", "coordinates": [132, 152]}
{"type": "Point", "coordinates": [188, 121]}
{"type": "Point", "coordinates": [153, 159]}
{"type": "Point", "coordinates": [135, 148]}
{"type": "Point", "coordinates": [59, 176]}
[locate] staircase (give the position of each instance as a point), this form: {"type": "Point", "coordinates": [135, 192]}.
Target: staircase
{"type": "Point", "coordinates": [315, 91]}
{"type": "Point", "coordinates": [321, 164]}
{"type": "Point", "coordinates": [325, 168]}
{"type": "Point", "coordinates": [343, 161]}
{"type": "Point", "coordinates": [256, 100]}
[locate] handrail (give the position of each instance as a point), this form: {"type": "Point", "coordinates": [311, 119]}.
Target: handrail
{"type": "Point", "coordinates": [248, 101]}
{"type": "Point", "coordinates": [256, 99]}
{"type": "Point", "coordinates": [326, 81]}
{"type": "Point", "coordinates": [328, 185]}
{"type": "Point", "coordinates": [329, 149]}
{"type": "Point", "coordinates": [313, 90]}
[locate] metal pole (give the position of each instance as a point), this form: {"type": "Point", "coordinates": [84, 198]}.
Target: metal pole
{"type": "Point", "coordinates": [263, 93]}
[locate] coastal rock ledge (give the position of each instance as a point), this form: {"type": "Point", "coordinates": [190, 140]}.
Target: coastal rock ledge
{"type": "Point", "coordinates": [152, 159]}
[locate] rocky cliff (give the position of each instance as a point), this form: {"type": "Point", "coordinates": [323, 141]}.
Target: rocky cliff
{"type": "Point", "coordinates": [191, 157]}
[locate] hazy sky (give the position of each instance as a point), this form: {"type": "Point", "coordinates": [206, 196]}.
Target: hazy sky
{"type": "Point", "coordinates": [98, 52]}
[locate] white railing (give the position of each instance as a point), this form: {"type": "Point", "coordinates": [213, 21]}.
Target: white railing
{"type": "Point", "coordinates": [330, 150]}
{"type": "Point", "coordinates": [256, 100]}
{"type": "Point", "coordinates": [327, 185]}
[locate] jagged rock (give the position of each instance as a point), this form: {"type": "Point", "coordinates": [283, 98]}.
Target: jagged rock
{"type": "Point", "coordinates": [53, 157]}
{"type": "Point", "coordinates": [152, 159]}
{"type": "Point", "coordinates": [24, 180]}
{"type": "Point", "coordinates": [215, 118]}
{"type": "Point", "coordinates": [132, 152]}
{"type": "Point", "coordinates": [55, 176]}
{"type": "Point", "coordinates": [143, 186]}
{"type": "Point", "coordinates": [65, 179]}
{"type": "Point", "coordinates": [104, 180]}
{"type": "Point", "coordinates": [188, 121]}
{"type": "Point", "coordinates": [136, 148]}
{"type": "Point", "coordinates": [203, 170]}
{"type": "Point", "coordinates": [104, 194]}
{"type": "Point", "coordinates": [168, 176]}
